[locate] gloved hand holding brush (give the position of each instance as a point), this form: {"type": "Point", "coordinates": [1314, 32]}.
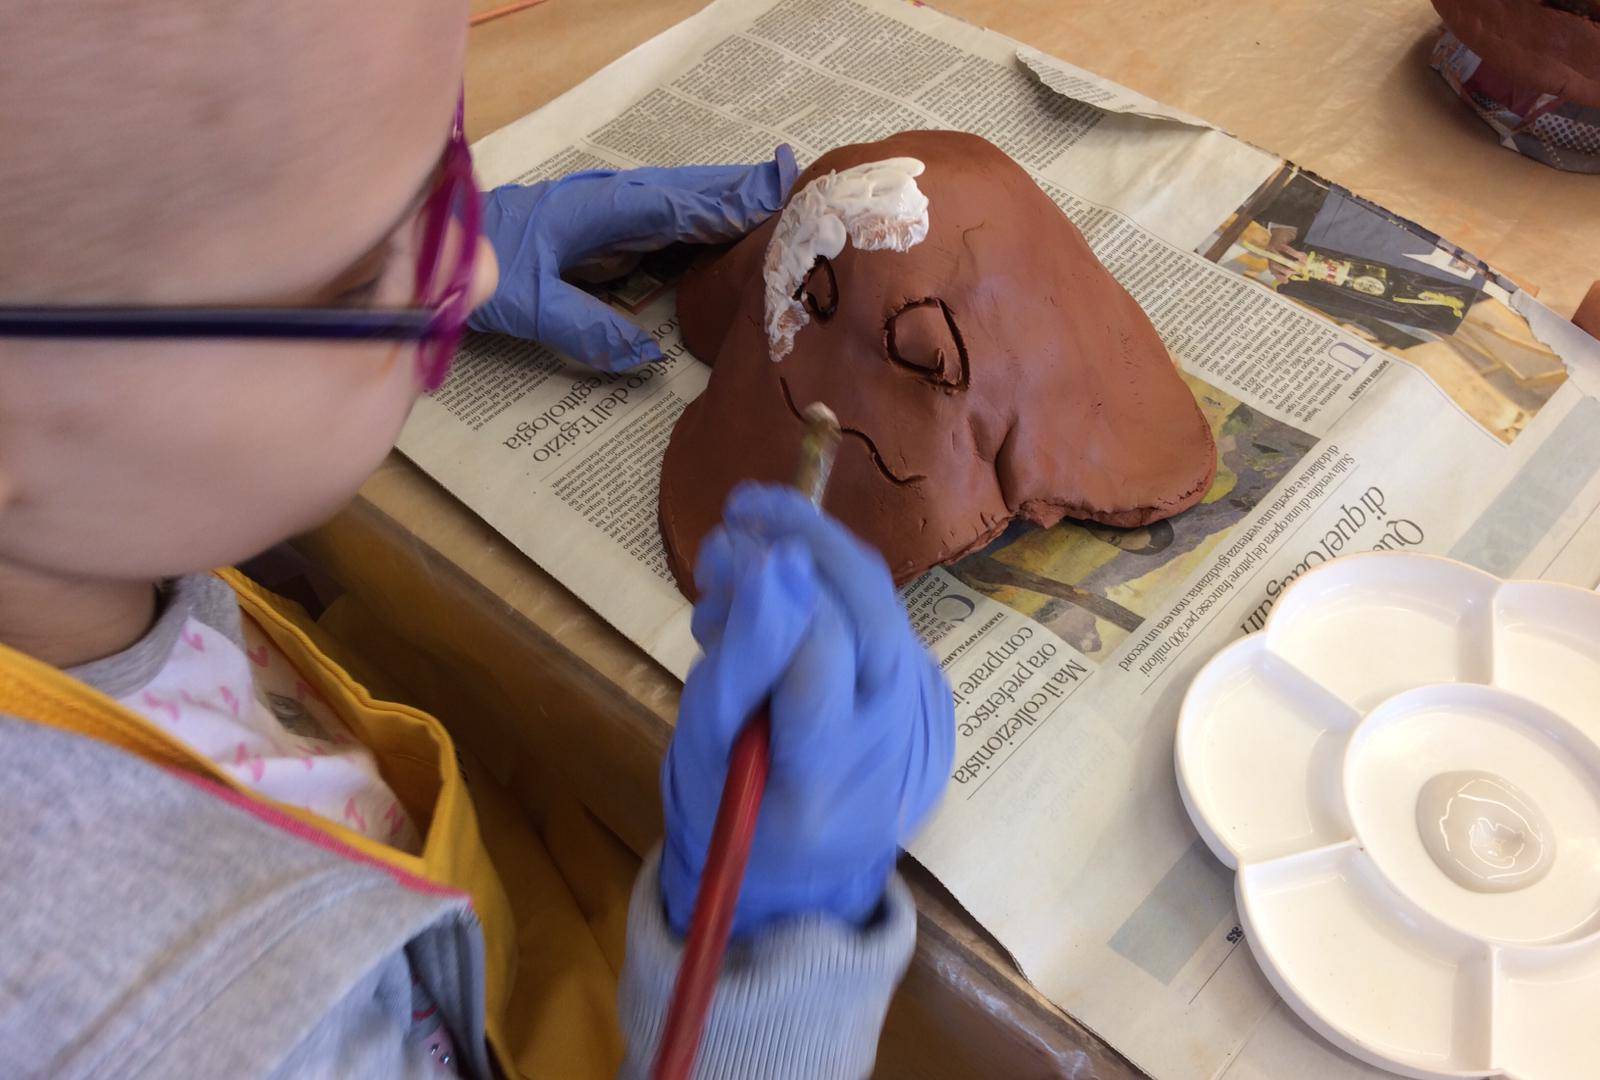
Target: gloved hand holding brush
{"type": "Point", "coordinates": [795, 609]}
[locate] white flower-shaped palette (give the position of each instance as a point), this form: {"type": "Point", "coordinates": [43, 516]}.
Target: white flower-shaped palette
{"type": "Point", "coordinates": [1404, 768]}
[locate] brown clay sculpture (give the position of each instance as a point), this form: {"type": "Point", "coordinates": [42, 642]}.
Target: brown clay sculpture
{"type": "Point", "coordinates": [982, 363]}
{"type": "Point", "coordinates": [1536, 46]}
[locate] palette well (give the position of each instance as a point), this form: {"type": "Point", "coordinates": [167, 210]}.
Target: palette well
{"type": "Point", "coordinates": [1403, 767]}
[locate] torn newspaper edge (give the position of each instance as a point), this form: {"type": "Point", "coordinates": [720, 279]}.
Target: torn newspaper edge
{"type": "Point", "coordinates": [1074, 82]}
{"type": "Point", "coordinates": [1579, 351]}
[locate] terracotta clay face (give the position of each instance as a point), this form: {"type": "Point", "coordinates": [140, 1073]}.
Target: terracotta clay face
{"type": "Point", "coordinates": [992, 369]}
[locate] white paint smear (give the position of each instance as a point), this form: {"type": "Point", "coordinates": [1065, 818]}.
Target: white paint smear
{"type": "Point", "coordinates": [877, 205]}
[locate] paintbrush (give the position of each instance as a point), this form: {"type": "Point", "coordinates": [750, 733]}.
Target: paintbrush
{"type": "Point", "coordinates": [736, 819]}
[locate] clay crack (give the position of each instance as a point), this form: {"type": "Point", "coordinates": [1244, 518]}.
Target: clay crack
{"type": "Point", "coordinates": [872, 449]}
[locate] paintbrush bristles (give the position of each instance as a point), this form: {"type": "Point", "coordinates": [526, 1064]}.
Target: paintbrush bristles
{"type": "Point", "coordinates": [817, 414]}
{"type": "Point", "coordinates": [817, 449]}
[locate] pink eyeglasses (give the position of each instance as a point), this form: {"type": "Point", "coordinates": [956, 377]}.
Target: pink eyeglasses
{"type": "Point", "coordinates": [448, 294]}
{"type": "Point", "coordinates": [441, 300]}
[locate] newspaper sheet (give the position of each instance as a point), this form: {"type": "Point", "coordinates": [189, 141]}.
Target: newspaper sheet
{"type": "Point", "coordinates": [1370, 387]}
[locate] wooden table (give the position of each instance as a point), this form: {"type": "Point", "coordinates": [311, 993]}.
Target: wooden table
{"type": "Point", "coordinates": [1342, 89]}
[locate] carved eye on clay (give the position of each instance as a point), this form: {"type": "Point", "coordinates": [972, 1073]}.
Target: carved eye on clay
{"type": "Point", "coordinates": [922, 337]}
{"type": "Point", "coordinates": [819, 289]}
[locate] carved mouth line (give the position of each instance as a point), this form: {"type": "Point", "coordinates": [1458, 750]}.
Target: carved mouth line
{"type": "Point", "coordinates": [877, 458]}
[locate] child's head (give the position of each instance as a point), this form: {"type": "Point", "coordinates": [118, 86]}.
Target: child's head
{"type": "Point", "coordinates": [230, 152]}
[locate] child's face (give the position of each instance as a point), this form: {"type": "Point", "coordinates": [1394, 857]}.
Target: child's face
{"type": "Point", "coordinates": [140, 460]}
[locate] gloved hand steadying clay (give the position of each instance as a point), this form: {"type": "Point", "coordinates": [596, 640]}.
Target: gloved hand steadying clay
{"type": "Point", "coordinates": [540, 231]}
{"type": "Point", "coordinates": [796, 608]}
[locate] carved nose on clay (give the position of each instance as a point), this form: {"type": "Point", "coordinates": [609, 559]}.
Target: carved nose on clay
{"type": "Point", "coordinates": [922, 337]}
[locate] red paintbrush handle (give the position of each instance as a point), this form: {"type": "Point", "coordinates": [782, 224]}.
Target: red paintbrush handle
{"type": "Point", "coordinates": [735, 828]}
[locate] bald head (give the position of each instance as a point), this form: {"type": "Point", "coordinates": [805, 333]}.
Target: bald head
{"type": "Point", "coordinates": [225, 151]}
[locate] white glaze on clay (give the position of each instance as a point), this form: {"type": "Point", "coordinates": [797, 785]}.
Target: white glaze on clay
{"type": "Point", "coordinates": [877, 205]}
{"type": "Point", "coordinates": [1483, 832]}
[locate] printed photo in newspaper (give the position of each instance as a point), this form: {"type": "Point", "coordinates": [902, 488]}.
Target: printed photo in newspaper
{"type": "Point", "coordinates": [1399, 287]}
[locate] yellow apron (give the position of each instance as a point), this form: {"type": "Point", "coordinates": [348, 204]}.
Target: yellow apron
{"type": "Point", "coordinates": [418, 760]}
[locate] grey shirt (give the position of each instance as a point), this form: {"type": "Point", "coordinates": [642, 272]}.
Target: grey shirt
{"type": "Point", "coordinates": [153, 927]}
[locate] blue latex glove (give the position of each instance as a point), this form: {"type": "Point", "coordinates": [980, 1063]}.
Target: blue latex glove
{"type": "Point", "coordinates": [863, 729]}
{"type": "Point", "coordinates": [539, 231]}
